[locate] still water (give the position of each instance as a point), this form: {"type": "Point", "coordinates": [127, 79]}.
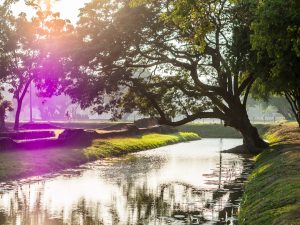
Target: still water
{"type": "Point", "coordinates": [186, 183]}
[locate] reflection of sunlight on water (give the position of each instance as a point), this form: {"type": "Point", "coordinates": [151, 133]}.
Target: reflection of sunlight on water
{"type": "Point", "coordinates": [151, 187]}
{"type": "Point", "coordinates": [184, 165]}
{"type": "Point", "coordinates": [64, 194]}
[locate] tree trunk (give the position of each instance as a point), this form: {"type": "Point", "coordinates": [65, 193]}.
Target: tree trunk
{"type": "Point", "coordinates": [253, 143]}
{"type": "Point", "coordinates": [18, 112]}
{"type": "Point", "coordinates": [294, 100]}
{"type": "Point", "coordinates": [20, 97]}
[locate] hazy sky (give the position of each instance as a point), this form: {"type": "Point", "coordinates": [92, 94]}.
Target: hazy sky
{"type": "Point", "coordinates": [69, 9]}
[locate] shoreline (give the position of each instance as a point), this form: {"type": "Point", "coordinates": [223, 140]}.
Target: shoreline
{"type": "Point", "coordinates": [23, 164]}
{"type": "Point", "coordinates": [272, 193]}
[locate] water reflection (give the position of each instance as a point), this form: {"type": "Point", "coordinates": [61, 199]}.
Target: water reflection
{"type": "Point", "coordinates": [187, 183]}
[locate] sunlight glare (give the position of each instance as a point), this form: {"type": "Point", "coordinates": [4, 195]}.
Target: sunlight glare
{"type": "Point", "coordinates": [68, 9]}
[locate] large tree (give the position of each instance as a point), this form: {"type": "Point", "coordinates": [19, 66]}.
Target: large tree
{"type": "Point", "coordinates": [276, 38]}
{"type": "Point", "coordinates": [196, 53]}
{"type": "Point", "coordinates": [33, 54]}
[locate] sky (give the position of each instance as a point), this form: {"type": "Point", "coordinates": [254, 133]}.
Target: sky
{"type": "Point", "coordinates": [68, 9]}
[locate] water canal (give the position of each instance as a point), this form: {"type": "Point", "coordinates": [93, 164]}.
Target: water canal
{"type": "Point", "coordinates": [186, 183]}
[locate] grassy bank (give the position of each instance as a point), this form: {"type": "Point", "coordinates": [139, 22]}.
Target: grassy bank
{"type": "Point", "coordinates": [119, 146]}
{"type": "Point", "coordinates": [272, 195]}
{"type": "Point", "coordinates": [20, 164]}
{"type": "Point", "coordinates": [218, 130]}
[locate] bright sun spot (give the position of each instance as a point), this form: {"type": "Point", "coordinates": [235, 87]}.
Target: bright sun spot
{"type": "Point", "coordinates": [68, 9]}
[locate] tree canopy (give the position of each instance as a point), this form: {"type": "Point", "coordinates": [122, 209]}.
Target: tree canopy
{"type": "Point", "coordinates": [276, 39]}
{"type": "Point", "coordinates": [177, 60]}
{"type": "Point", "coordinates": [33, 53]}
{"type": "Point", "coordinates": [166, 59]}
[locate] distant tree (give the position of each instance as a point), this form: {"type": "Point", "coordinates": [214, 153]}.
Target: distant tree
{"type": "Point", "coordinates": [283, 107]}
{"type": "Point", "coordinates": [280, 103]}
{"type": "Point", "coordinates": [54, 108]}
{"type": "Point", "coordinates": [188, 46]}
{"type": "Point", "coordinates": [276, 38]}
{"type": "Point", "coordinates": [50, 108]}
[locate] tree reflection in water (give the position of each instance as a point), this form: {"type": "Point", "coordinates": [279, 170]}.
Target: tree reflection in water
{"type": "Point", "coordinates": [138, 189]}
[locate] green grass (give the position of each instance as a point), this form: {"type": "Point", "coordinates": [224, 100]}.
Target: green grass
{"type": "Point", "coordinates": [20, 164]}
{"type": "Point", "coordinates": [272, 195]}
{"type": "Point", "coordinates": [119, 146]}
{"type": "Point", "coordinates": [218, 130]}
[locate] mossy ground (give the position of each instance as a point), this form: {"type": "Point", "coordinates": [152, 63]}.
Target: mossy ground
{"type": "Point", "coordinates": [20, 164]}
{"type": "Point", "coordinates": [272, 195]}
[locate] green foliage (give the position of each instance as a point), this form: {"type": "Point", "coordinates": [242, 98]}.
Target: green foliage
{"type": "Point", "coordinates": [275, 39]}
{"type": "Point", "coordinates": [5, 23]}
{"type": "Point", "coordinates": [32, 51]}
{"type": "Point", "coordinates": [174, 60]}
{"type": "Point", "coordinates": [119, 146]}
{"type": "Point", "coordinates": [272, 194]}
{"type": "Point", "coordinates": [272, 137]}
{"type": "Point", "coordinates": [192, 20]}
{"type": "Point", "coordinates": [276, 35]}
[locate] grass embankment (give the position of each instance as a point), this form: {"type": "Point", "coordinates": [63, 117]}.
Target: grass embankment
{"type": "Point", "coordinates": [272, 195]}
{"type": "Point", "coordinates": [118, 146]}
{"type": "Point", "coordinates": [20, 164]}
{"type": "Point", "coordinates": [218, 130]}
